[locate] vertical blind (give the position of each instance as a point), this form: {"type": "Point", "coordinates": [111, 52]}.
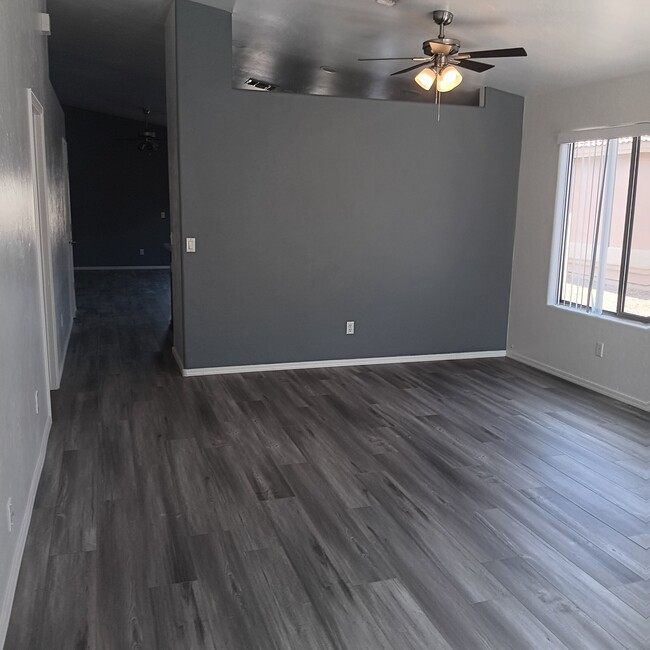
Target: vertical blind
{"type": "Point", "coordinates": [585, 223]}
{"type": "Point", "coordinates": [603, 209]}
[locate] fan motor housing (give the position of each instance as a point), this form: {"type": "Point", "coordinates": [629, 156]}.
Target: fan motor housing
{"type": "Point", "coordinates": [447, 46]}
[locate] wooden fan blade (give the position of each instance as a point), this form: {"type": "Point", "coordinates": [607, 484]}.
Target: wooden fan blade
{"type": "Point", "coordinates": [413, 67]}
{"type": "Point", "coordinates": [476, 66]}
{"type": "Point", "coordinates": [403, 58]}
{"type": "Point", "coordinates": [493, 54]}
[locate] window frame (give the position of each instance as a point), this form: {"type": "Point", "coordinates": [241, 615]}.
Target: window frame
{"type": "Point", "coordinates": [563, 198]}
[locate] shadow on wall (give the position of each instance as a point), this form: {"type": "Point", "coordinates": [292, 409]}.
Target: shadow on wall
{"type": "Point", "coordinates": [118, 193]}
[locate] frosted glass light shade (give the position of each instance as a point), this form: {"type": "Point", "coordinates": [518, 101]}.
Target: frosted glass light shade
{"type": "Point", "coordinates": [426, 78]}
{"type": "Point", "coordinates": [448, 78]}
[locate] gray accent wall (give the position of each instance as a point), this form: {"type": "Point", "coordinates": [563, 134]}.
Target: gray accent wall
{"type": "Point", "coordinates": [117, 192]}
{"type": "Point", "coordinates": [312, 211]}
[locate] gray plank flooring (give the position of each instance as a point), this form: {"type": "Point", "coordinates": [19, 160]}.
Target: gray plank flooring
{"type": "Point", "coordinates": [453, 505]}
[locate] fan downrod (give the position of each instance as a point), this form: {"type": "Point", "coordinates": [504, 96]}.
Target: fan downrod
{"type": "Point", "coordinates": [442, 18]}
{"type": "Point", "coordinates": [441, 44]}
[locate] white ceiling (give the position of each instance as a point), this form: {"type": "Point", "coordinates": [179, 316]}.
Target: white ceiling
{"type": "Point", "coordinates": [108, 55]}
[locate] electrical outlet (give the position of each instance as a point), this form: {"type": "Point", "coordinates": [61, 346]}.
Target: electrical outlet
{"type": "Point", "coordinates": [36, 404]}
{"type": "Point", "coordinates": [142, 251]}
{"type": "Point", "coordinates": [190, 245]}
{"type": "Point", "coordinates": [10, 515]}
{"type": "Point", "coordinates": [349, 327]}
{"type": "Point", "coordinates": [600, 349]}
{"type": "Point", "coordinates": [162, 215]}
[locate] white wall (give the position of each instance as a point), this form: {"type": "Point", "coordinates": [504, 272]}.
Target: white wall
{"type": "Point", "coordinates": [547, 336]}
{"type": "Point", "coordinates": [23, 65]}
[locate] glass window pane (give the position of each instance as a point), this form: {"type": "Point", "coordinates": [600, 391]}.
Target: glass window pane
{"type": "Point", "coordinates": [637, 295]}
{"type": "Point", "coordinates": [577, 286]}
{"type": "Point", "coordinates": [617, 227]}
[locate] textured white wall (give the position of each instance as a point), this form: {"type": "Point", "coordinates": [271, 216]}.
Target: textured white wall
{"type": "Point", "coordinates": [23, 65]}
{"type": "Point", "coordinates": [545, 335]}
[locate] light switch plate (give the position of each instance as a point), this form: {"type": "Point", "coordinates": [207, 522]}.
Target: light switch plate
{"type": "Point", "coordinates": [43, 24]}
{"type": "Point", "coordinates": [190, 245]}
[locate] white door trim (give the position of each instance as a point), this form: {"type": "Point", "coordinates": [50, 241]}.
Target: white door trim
{"type": "Point", "coordinates": [44, 253]}
{"type": "Point", "coordinates": [68, 221]}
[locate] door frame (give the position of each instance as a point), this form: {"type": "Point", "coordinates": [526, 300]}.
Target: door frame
{"type": "Point", "coordinates": [43, 242]}
{"type": "Point", "coordinates": [68, 217]}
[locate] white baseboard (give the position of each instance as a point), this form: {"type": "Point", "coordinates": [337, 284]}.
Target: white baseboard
{"type": "Point", "coordinates": [12, 582]}
{"type": "Point", "coordinates": [120, 268]}
{"type": "Point", "coordinates": [585, 383]}
{"type": "Point", "coordinates": [335, 363]}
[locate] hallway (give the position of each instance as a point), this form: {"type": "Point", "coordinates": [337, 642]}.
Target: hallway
{"type": "Point", "coordinates": [475, 504]}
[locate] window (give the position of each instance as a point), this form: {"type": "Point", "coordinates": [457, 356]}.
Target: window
{"type": "Point", "coordinates": [604, 205]}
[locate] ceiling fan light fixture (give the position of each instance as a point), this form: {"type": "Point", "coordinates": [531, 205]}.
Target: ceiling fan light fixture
{"type": "Point", "coordinates": [448, 78]}
{"type": "Point", "coordinates": [426, 78]}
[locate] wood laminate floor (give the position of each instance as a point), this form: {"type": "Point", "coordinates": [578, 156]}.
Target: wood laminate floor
{"type": "Point", "coordinates": [465, 505]}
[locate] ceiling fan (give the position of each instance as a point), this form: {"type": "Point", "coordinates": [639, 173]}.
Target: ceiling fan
{"type": "Point", "coordinates": [442, 58]}
{"type": "Point", "coordinates": [147, 139]}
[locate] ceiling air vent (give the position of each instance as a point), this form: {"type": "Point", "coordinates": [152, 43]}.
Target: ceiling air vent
{"type": "Point", "coordinates": [259, 85]}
